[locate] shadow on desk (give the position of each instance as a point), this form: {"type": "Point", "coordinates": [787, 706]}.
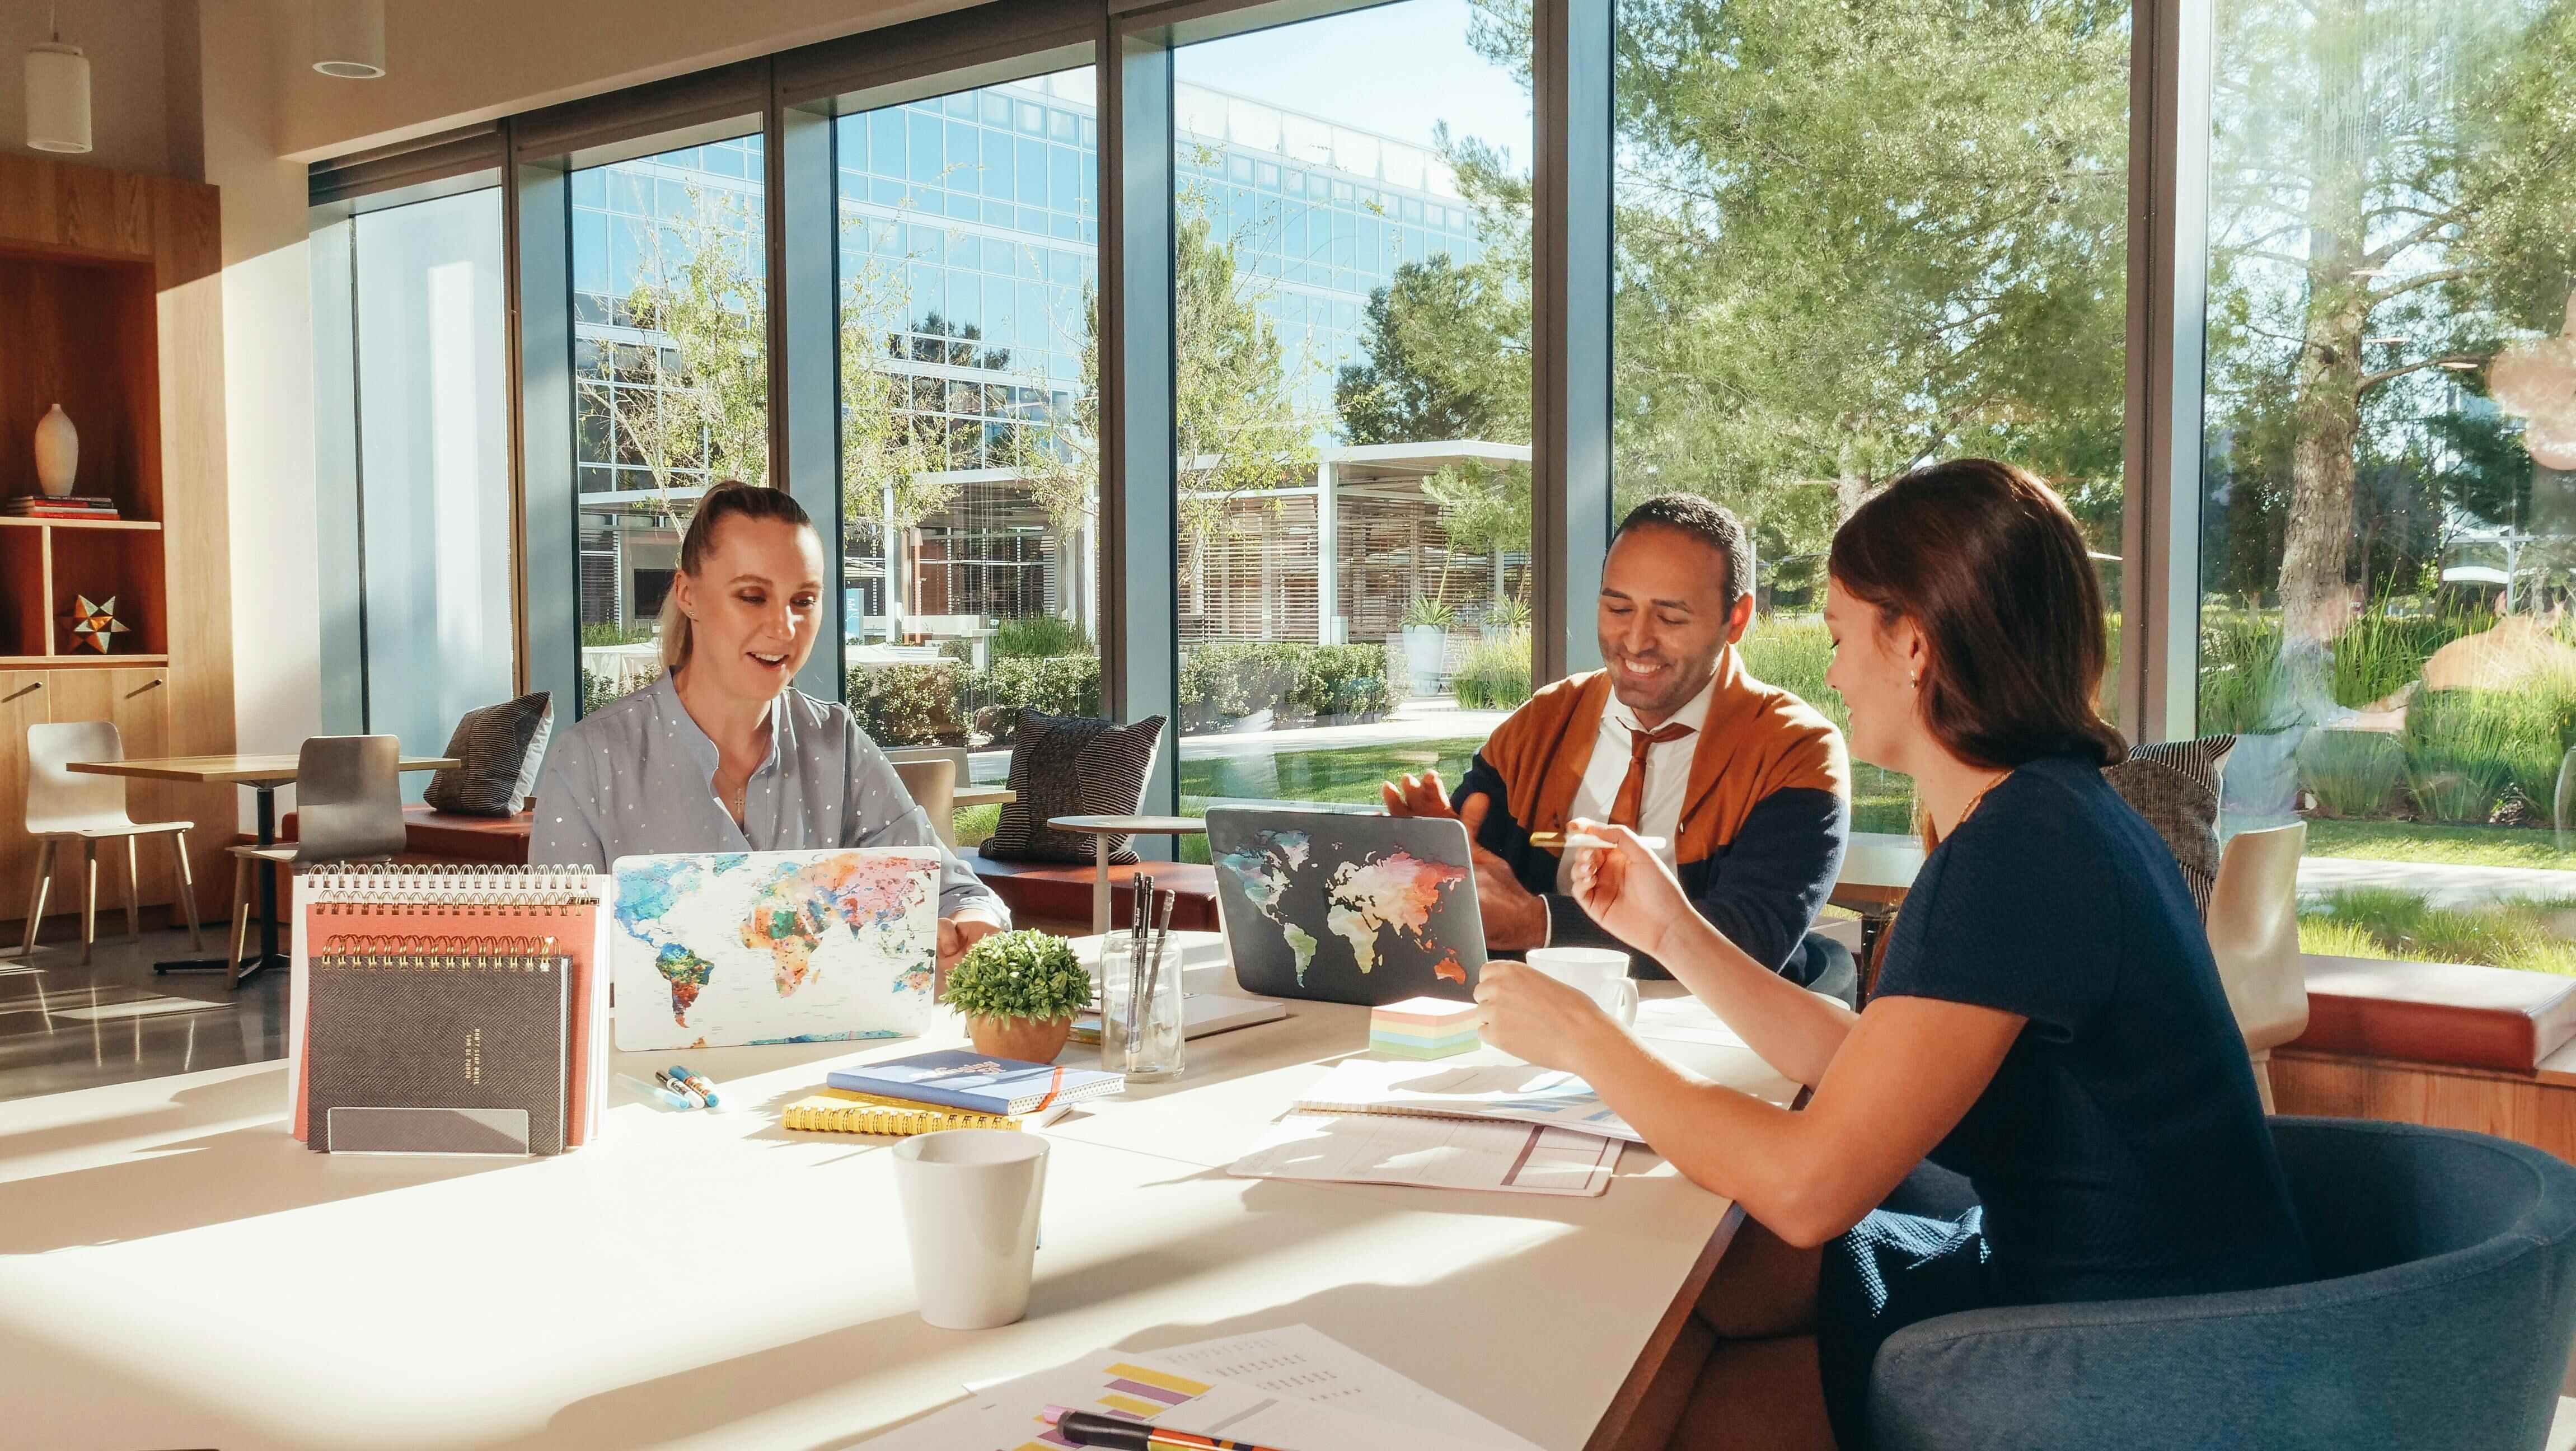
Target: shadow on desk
{"type": "Point", "coordinates": [704, 1400]}
{"type": "Point", "coordinates": [171, 1184]}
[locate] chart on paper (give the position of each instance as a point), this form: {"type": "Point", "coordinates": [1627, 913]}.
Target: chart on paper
{"type": "Point", "coordinates": [1304, 1362]}
{"type": "Point", "coordinates": [1431, 1153]}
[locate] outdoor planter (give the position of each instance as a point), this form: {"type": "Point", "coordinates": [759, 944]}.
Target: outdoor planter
{"type": "Point", "coordinates": [1425, 650]}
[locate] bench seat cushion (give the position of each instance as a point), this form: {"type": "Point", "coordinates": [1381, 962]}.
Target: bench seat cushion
{"type": "Point", "coordinates": [447, 836]}
{"type": "Point", "coordinates": [2437, 1012]}
{"type": "Point", "coordinates": [1048, 891]}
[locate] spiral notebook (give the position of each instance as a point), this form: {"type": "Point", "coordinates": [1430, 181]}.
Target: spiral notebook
{"type": "Point", "coordinates": [445, 909]}
{"type": "Point", "coordinates": [842, 1111]}
{"type": "Point", "coordinates": [430, 1023]}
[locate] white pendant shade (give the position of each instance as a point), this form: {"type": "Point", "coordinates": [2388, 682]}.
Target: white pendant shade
{"type": "Point", "coordinates": [349, 38]}
{"type": "Point", "coordinates": [57, 97]}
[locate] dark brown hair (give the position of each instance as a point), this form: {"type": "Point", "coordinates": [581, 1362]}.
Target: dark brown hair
{"type": "Point", "coordinates": [1987, 563]}
{"type": "Point", "coordinates": [1714, 525]}
{"type": "Point", "coordinates": [731, 499]}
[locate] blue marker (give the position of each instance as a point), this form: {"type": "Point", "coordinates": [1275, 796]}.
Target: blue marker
{"type": "Point", "coordinates": [679, 1087]}
{"type": "Point", "coordinates": [697, 1084]}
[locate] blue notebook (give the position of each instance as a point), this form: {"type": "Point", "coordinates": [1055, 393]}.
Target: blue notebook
{"type": "Point", "coordinates": [963, 1078]}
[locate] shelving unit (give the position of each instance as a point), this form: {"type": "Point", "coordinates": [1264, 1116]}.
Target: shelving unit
{"type": "Point", "coordinates": [111, 305]}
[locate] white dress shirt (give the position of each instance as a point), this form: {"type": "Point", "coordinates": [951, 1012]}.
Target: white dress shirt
{"type": "Point", "coordinates": [1667, 774]}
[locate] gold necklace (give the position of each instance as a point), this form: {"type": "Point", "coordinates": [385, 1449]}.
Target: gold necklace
{"type": "Point", "coordinates": [1978, 800]}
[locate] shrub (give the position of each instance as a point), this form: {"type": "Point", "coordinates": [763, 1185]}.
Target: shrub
{"type": "Point", "coordinates": [1342, 680]}
{"type": "Point", "coordinates": [1225, 680]}
{"type": "Point", "coordinates": [2465, 748]}
{"type": "Point", "coordinates": [598, 691]}
{"type": "Point", "coordinates": [907, 705]}
{"type": "Point", "coordinates": [2241, 676]}
{"type": "Point", "coordinates": [1429, 610]}
{"type": "Point", "coordinates": [1495, 675]}
{"type": "Point", "coordinates": [1058, 685]}
{"type": "Point", "coordinates": [2351, 773]}
{"type": "Point", "coordinates": [602, 632]}
{"type": "Point", "coordinates": [1039, 636]}
{"type": "Point", "coordinates": [1023, 974]}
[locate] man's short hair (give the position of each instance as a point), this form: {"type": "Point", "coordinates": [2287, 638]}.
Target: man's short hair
{"type": "Point", "coordinates": [1712, 524]}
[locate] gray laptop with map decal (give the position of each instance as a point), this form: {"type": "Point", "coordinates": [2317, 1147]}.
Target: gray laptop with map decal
{"type": "Point", "coordinates": [1346, 909]}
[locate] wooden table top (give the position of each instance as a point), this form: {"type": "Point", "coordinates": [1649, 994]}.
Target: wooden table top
{"type": "Point", "coordinates": [1123, 825]}
{"type": "Point", "coordinates": [985, 796]}
{"type": "Point", "coordinates": [233, 770]}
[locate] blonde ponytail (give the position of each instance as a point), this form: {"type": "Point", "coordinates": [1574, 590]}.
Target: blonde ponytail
{"type": "Point", "coordinates": [723, 501]}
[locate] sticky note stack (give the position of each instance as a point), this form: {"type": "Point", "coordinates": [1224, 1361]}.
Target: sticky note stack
{"type": "Point", "coordinates": [1423, 1028]}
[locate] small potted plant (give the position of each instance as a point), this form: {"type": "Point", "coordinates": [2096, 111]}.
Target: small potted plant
{"type": "Point", "coordinates": [1426, 640]}
{"type": "Point", "coordinates": [1019, 992]}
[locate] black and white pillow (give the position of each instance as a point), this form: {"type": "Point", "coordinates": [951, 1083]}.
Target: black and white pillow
{"type": "Point", "coordinates": [1066, 765]}
{"type": "Point", "coordinates": [501, 746]}
{"type": "Point", "coordinates": [2175, 785]}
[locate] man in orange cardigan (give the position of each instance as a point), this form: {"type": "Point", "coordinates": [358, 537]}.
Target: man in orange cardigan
{"type": "Point", "coordinates": [1749, 785]}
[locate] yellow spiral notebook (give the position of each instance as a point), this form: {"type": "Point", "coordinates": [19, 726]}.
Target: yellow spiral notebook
{"type": "Point", "coordinates": [842, 1111]}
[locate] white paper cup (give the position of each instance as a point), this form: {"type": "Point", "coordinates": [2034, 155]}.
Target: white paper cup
{"type": "Point", "coordinates": [1599, 973]}
{"type": "Point", "coordinates": [970, 1208]}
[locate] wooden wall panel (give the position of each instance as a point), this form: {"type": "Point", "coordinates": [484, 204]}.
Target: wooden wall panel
{"type": "Point", "coordinates": [187, 237]}
{"type": "Point", "coordinates": [2526, 1109]}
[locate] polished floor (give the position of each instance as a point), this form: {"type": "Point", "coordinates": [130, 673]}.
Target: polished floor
{"type": "Point", "coordinates": [65, 1026]}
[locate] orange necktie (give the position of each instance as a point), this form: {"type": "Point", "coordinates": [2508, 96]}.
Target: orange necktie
{"type": "Point", "coordinates": [1632, 787]}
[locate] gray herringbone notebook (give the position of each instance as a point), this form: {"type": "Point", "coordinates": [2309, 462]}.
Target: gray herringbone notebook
{"type": "Point", "coordinates": [431, 1022]}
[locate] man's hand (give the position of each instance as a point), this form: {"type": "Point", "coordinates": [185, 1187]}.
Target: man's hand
{"type": "Point", "coordinates": [1515, 919]}
{"type": "Point", "coordinates": [956, 934]}
{"type": "Point", "coordinates": [1421, 795]}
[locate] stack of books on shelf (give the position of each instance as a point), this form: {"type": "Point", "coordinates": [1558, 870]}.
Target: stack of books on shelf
{"type": "Point", "coordinates": [70, 506]}
{"type": "Point", "coordinates": [448, 1010]}
{"type": "Point", "coordinates": [927, 1093]}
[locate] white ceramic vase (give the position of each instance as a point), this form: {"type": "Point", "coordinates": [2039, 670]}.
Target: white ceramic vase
{"type": "Point", "coordinates": [57, 452]}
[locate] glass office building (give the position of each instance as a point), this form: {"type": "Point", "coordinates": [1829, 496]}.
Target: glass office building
{"type": "Point", "coordinates": [969, 238]}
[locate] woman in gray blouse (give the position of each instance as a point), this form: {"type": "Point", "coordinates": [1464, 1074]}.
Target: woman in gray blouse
{"type": "Point", "coordinates": [723, 753]}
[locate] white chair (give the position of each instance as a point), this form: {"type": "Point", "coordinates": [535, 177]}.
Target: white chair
{"type": "Point", "coordinates": [67, 805]}
{"type": "Point", "coordinates": [932, 780]}
{"type": "Point", "coordinates": [2254, 934]}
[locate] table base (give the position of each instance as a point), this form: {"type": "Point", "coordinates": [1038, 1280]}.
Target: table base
{"type": "Point", "coordinates": [250, 966]}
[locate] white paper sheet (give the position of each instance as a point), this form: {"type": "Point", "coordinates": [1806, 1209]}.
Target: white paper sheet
{"type": "Point", "coordinates": [1514, 1093]}
{"type": "Point", "coordinates": [1302, 1361]}
{"type": "Point", "coordinates": [1007, 1416]}
{"type": "Point", "coordinates": [1431, 1153]}
{"type": "Point", "coordinates": [1683, 1020]}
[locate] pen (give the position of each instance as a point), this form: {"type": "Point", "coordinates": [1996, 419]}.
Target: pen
{"type": "Point", "coordinates": [697, 1083]}
{"type": "Point", "coordinates": [1086, 1428]}
{"type": "Point", "coordinates": [653, 1090]}
{"type": "Point", "coordinates": [1560, 840]}
{"type": "Point", "coordinates": [679, 1086]}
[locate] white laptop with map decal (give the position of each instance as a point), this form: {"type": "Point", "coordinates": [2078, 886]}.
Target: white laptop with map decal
{"type": "Point", "coordinates": [1346, 909]}
{"type": "Point", "coordinates": [721, 949]}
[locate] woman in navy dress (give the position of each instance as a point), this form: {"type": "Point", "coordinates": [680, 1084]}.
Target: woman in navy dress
{"type": "Point", "coordinates": [2049, 1022]}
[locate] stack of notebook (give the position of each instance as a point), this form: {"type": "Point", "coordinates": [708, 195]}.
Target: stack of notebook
{"type": "Point", "coordinates": [952, 1089]}
{"type": "Point", "coordinates": [70, 506]}
{"type": "Point", "coordinates": [448, 1010]}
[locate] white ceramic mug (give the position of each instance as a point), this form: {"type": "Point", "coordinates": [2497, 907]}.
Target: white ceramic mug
{"type": "Point", "coordinates": [1599, 973]}
{"type": "Point", "coordinates": [970, 1208]}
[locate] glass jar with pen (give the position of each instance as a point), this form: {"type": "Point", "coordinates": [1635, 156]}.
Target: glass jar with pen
{"type": "Point", "coordinates": [1140, 993]}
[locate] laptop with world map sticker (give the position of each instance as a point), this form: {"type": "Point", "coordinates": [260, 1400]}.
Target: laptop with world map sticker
{"type": "Point", "coordinates": [722, 949]}
{"type": "Point", "coordinates": [1346, 909]}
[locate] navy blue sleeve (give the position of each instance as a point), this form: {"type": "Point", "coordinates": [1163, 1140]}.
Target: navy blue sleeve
{"type": "Point", "coordinates": [1766, 891]}
{"type": "Point", "coordinates": [2021, 911]}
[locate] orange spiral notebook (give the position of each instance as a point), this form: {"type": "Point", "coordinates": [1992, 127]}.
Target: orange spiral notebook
{"type": "Point", "coordinates": [436, 907]}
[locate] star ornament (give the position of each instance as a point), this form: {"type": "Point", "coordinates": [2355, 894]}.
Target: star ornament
{"type": "Point", "coordinates": [92, 624]}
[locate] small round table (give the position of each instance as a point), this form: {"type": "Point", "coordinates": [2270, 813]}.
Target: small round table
{"type": "Point", "coordinates": [1100, 829]}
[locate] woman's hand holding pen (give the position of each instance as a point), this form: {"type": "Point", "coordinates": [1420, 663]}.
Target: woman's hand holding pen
{"type": "Point", "coordinates": [1627, 888]}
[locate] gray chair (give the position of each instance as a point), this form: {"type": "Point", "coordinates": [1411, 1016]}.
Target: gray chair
{"type": "Point", "coordinates": [932, 783]}
{"type": "Point", "coordinates": [2444, 1318]}
{"type": "Point", "coordinates": [348, 808]}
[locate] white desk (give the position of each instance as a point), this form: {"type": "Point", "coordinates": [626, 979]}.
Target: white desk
{"type": "Point", "coordinates": [180, 1272]}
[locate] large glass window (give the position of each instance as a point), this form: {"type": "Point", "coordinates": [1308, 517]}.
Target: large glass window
{"type": "Point", "coordinates": [1851, 240]}
{"type": "Point", "coordinates": [2389, 522]}
{"type": "Point", "coordinates": [433, 466]}
{"type": "Point", "coordinates": [1352, 253]}
{"type": "Point", "coordinates": [970, 461]}
{"type": "Point", "coordinates": [670, 297]}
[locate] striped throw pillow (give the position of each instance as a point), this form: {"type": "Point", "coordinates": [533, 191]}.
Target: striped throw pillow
{"type": "Point", "coordinates": [2175, 785]}
{"type": "Point", "coordinates": [1064, 765]}
{"type": "Point", "coordinates": [501, 747]}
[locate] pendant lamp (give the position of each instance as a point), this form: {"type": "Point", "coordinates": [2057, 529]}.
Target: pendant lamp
{"type": "Point", "coordinates": [57, 96]}
{"type": "Point", "coordinates": [349, 38]}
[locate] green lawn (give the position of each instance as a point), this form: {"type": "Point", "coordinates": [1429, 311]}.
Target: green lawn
{"type": "Point", "coordinates": [2536, 936]}
{"type": "Point", "coordinates": [2416, 841]}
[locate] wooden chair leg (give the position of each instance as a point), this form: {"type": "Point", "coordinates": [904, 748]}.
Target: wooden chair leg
{"type": "Point", "coordinates": [43, 887]}
{"type": "Point", "coordinates": [89, 897]}
{"type": "Point", "coordinates": [241, 921]}
{"type": "Point", "coordinates": [187, 890]}
{"type": "Point", "coordinates": [133, 893]}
